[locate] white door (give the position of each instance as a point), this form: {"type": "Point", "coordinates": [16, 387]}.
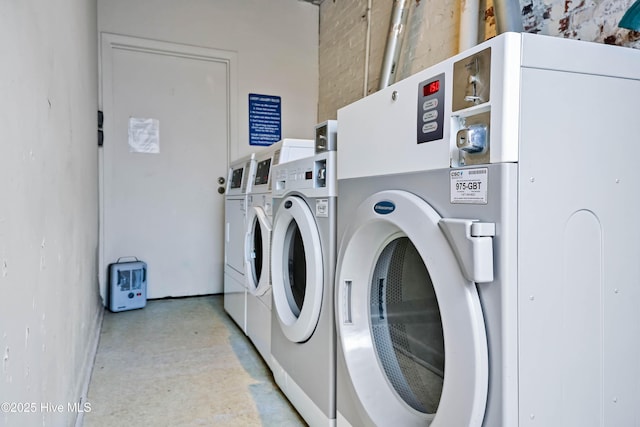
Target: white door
{"type": "Point", "coordinates": [160, 199]}
{"type": "Point", "coordinates": [410, 325]}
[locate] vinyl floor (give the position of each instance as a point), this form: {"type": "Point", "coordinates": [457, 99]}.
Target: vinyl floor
{"type": "Point", "coordinates": [182, 362]}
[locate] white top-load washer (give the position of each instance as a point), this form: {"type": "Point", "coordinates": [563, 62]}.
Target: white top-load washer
{"type": "Point", "coordinates": [302, 270]}
{"type": "Point", "coordinates": [488, 241]}
{"type": "Point", "coordinates": [239, 181]}
{"type": "Point", "coordinates": [257, 239]}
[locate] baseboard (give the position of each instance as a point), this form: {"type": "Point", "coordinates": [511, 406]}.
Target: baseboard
{"type": "Point", "coordinates": [87, 367]}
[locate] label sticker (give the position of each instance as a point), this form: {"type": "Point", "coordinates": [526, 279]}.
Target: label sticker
{"type": "Point", "coordinates": [469, 186]}
{"type": "Point", "coordinates": [322, 208]}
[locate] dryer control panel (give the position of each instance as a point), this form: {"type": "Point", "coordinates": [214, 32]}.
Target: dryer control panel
{"type": "Point", "coordinates": [314, 176]}
{"type": "Point", "coordinates": [431, 109]}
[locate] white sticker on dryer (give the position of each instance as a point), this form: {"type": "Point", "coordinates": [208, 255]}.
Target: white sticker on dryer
{"type": "Point", "coordinates": [322, 208]}
{"type": "Point", "coordinates": [469, 186]}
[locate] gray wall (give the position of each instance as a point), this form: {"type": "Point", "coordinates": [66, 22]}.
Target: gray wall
{"type": "Point", "coordinates": [49, 304]}
{"type": "Point", "coordinates": [276, 42]}
{"type": "Point", "coordinates": [431, 36]}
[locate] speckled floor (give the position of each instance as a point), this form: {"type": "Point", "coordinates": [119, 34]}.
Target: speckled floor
{"type": "Point", "coordinates": [182, 362]}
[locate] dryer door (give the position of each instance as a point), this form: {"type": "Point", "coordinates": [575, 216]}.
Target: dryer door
{"type": "Point", "coordinates": [410, 325]}
{"type": "Point", "coordinates": [257, 243]}
{"type": "Point", "coordinates": [296, 269]}
{"type": "Point", "coordinates": [235, 214]}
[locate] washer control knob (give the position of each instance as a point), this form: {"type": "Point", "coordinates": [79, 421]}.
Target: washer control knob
{"type": "Point", "coordinates": [473, 139]}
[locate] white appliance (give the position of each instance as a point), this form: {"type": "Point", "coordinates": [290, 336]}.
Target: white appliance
{"type": "Point", "coordinates": [302, 270]}
{"type": "Point", "coordinates": [239, 181]}
{"type": "Point", "coordinates": [488, 241]}
{"type": "Point", "coordinates": [257, 240]}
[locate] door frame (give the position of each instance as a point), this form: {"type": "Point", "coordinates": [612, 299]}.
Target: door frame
{"type": "Point", "coordinates": [110, 42]}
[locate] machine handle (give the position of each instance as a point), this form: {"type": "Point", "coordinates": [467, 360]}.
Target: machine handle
{"type": "Point", "coordinates": [347, 302]}
{"type": "Point", "coordinates": [472, 244]}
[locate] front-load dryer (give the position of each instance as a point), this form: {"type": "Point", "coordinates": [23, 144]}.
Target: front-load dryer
{"type": "Point", "coordinates": [257, 239]}
{"type": "Point", "coordinates": [487, 241]}
{"type": "Point", "coordinates": [302, 269]}
{"type": "Point", "coordinates": [239, 181]}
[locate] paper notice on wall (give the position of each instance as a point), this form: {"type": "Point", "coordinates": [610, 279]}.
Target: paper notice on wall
{"type": "Point", "coordinates": [144, 135]}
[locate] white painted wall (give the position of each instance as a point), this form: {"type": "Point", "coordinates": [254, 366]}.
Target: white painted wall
{"type": "Point", "coordinates": [49, 304]}
{"type": "Point", "coordinates": [276, 42]}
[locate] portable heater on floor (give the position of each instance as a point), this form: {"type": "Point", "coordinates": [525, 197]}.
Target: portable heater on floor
{"type": "Point", "coordinates": [127, 285]}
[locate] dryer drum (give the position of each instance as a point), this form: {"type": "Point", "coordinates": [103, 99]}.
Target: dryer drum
{"type": "Point", "coordinates": [297, 266]}
{"type": "Point", "coordinates": [257, 253]}
{"type": "Point", "coordinates": [407, 327]}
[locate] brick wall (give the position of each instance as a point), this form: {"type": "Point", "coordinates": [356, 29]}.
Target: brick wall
{"type": "Point", "coordinates": [431, 36]}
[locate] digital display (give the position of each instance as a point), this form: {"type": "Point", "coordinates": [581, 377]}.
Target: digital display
{"type": "Point", "coordinates": [262, 172]}
{"type": "Point", "coordinates": [236, 178]}
{"type": "Point", "coordinates": [431, 88]}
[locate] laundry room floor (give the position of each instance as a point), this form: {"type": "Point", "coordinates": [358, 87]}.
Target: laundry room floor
{"type": "Point", "coordinates": [182, 362]}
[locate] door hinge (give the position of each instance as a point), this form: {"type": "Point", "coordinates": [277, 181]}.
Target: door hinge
{"type": "Point", "coordinates": [100, 132]}
{"type": "Point", "coordinates": [472, 243]}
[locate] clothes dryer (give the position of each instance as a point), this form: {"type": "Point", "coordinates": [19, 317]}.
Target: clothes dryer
{"type": "Point", "coordinates": [257, 246]}
{"type": "Point", "coordinates": [302, 269]}
{"type": "Point", "coordinates": [239, 181]}
{"type": "Point", "coordinates": [485, 235]}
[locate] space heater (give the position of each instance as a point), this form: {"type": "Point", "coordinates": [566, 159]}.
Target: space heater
{"type": "Point", "coordinates": [127, 285]}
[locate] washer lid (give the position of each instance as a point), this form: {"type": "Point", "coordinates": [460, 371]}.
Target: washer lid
{"type": "Point", "coordinates": [393, 244]}
{"type": "Point", "coordinates": [296, 269]}
{"type": "Point", "coordinates": [256, 251]}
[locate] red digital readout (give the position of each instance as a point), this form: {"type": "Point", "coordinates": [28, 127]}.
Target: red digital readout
{"type": "Point", "coordinates": [431, 88]}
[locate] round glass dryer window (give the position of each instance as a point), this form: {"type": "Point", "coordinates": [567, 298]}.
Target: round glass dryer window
{"type": "Point", "coordinates": [256, 259]}
{"type": "Point", "coordinates": [407, 327]}
{"type": "Point", "coordinates": [296, 274]}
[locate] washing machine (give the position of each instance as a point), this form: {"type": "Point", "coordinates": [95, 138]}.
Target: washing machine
{"type": "Point", "coordinates": [488, 243]}
{"type": "Point", "coordinates": [239, 181]}
{"type": "Point", "coordinates": [257, 239]}
{"type": "Point", "coordinates": [303, 249]}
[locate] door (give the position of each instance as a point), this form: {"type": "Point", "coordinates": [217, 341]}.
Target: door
{"type": "Point", "coordinates": [168, 127]}
{"type": "Point", "coordinates": [257, 248]}
{"type": "Point", "coordinates": [296, 269]}
{"type": "Point", "coordinates": [410, 324]}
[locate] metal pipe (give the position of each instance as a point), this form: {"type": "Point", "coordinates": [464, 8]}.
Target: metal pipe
{"type": "Point", "coordinates": [469, 17]}
{"type": "Point", "coordinates": [508, 16]}
{"type": "Point", "coordinates": [392, 50]}
{"type": "Point", "coordinates": [367, 50]}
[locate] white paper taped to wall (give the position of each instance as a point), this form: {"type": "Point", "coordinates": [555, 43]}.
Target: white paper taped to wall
{"type": "Point", "coordinates": [144, 135]}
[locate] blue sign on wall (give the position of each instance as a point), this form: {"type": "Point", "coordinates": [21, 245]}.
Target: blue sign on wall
{"type": "Point", "coordinates": [265, 119]}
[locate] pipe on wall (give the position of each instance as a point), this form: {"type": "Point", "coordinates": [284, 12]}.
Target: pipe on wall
{"type": "Point", "coordinates": [469, 18]}
{"type": "Point", "coordinates": [508, 16]}
{"type": "Point", "coordinates": [399, 15]}
{"type": "Point", "coordinates": [367, 50]}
